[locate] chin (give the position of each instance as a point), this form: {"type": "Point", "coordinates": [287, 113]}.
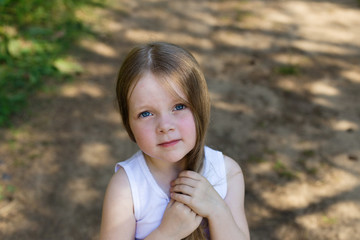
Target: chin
{"type": "Point", "coordinates": [174, 158]}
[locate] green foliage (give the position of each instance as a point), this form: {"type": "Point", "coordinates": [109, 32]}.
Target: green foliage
{"type": "Point", "coordinates": [308, 162]}
{"type": "Point", "coordinates": [66, 66]}
{"type": "Point", "coordinates": [329, 220]}
{"type": "Point", "coordinates": [288, 69]}
{"type": "Point", "coordinates": [6, 191]}
{"type": "Point", "coordinates": [34, 37]}
{"type": "Point", "coordinates": [256, 159]}
{"type": "Point", "coordinates": [308, 153]}
{"type": "Point", "coordinates": [281, 169]}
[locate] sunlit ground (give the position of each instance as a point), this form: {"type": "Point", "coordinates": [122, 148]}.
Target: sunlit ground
{"type": "Point", "coordinates": [284, 80]}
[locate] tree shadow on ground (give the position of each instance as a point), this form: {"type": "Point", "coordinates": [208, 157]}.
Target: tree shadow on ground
{"type": "Point", "coordinates": [282, 127]}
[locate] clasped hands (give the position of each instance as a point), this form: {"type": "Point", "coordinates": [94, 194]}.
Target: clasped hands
{"type": "Point", "coordinates": [192, 199]}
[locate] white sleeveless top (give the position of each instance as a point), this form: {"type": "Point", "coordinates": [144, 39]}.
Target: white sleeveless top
{"type": "Point", "coordinates": [150, 200]}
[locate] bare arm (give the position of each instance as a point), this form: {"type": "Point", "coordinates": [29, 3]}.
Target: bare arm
{"type": "Point", "coordinates": [118, 221]}
{"type": "Point", "coordinates": [178, 222]}
{"type": "Point", "coordinates": [226, 217]}
{"type": "Point", "coordinates": [229, 220]}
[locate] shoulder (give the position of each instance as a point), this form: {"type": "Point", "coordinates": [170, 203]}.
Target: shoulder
{"type": "Point", "coordinates": [236, 193]}
{"type": "Point", "coordinates": [232, 167]}
{"type": "Point", "coordinates": [129, 163]}
{"type": "Point", "coordinates": [118, 215]}
{"type": "Point", "coordinates": [235, 180]}
{"type": "Point", "coordinates": [119, 183]}
{"type": "Point", "coordinates": [225, 164]}
{"type": "Point", "coordinates": [119, 190]}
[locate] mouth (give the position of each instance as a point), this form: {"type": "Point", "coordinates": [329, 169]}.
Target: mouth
{"type": "Point", "coordinates": [169, 143]}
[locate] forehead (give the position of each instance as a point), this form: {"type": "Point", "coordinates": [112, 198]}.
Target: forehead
{"type": "Point", "coordinates": [150, 86]}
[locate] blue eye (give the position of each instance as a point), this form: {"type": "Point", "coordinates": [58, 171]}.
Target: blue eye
{"type": "Point", "coordinates": [179, 107]}
{"type": "Point", "coordinates": [145, 114]}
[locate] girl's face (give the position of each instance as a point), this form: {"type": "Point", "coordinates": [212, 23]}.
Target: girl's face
{"type": "Point", "coordinates": [163, 126]}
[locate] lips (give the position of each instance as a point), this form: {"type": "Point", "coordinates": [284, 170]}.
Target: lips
{"type": "Point", "coordinates": [169, 143]}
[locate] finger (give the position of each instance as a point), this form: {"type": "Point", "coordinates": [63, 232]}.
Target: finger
{"type": "Point", "coordinates": [184, 189]}
{"type": "Point", "coordinates": [182, 207]}
{"type": "Point", "coordinates": [182, 198]}
{"type": "Point", "coordinates": [171, 202]}
{"type": "Point", "coordinates": [190, 174]}
{"type": "Point", "coordinates": [198, 219]}
{"type": "Point", "coordinates": [185, 181]}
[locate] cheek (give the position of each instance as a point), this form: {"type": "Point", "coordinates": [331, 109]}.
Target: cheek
{"type": "Point", "coordinates": [188, 126]}
{"type": "Point", "coordinates": [141, 132]}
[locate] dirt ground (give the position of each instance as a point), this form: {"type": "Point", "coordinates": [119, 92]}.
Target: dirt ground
{"type": "Point", "coordinates": [284, 79]}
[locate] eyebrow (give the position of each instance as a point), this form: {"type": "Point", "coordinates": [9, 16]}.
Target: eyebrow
{"type": "Point", "coordinates": [146, 106]}
{"type": "Point", "coordinates": [140, 107]}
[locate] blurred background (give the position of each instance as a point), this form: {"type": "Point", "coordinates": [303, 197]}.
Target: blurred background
{"type": "Point", "coordinates": [284, 80]}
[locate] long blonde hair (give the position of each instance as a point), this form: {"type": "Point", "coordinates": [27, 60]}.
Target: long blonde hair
{"type": "Point", "coordinates": [170, 64]}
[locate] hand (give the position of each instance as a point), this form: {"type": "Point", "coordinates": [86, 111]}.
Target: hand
{"type": "Point", "coordinates": [179, 221]}
{"type": "Point", "coordinates": [193, 190]}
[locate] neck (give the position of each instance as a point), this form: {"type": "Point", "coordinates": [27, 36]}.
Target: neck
{"type": "Point", "coordinates": [164, 172]}
{"type": "Point", "coordinates": [165, 167]}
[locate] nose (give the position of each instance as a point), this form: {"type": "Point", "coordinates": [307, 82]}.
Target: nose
{"type": "Point", "coordinates": [165, 124]}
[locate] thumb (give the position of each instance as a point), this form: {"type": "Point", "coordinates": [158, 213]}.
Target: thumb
{"type": "Point", "coordinates": [198, 219]}
{"type": "Point", "coordinates": [172, 201]}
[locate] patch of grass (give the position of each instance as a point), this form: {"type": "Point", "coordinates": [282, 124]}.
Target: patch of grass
{"type": "Point", "coordinates": [34, 38]}
{"type": "Point", "coordinates": [256, 159]}
{"type": "Point", "coordinates": [328, 220]}
{"type": "Point", "coordinates": [312, 171]}
{"type": "Point", "coordinates": [282, 170]}
{"type": "Point", "coordinates": [241, 15]}
{"type": "Point", "coordinates": [307, 156]}
{"type": "Point", "coordinates": [270, 152]}
{"type": "Point", "coordinates": [1, 193]}
{"type": "Point", "coordinates": [308, 153]}
{"type": "Point", "coordinates": [7, 191]}
{"type": "Point", "coordinates": [261, 158]}
{"type": "Point", "coordinates": [288, 69]}
{"type": "Point", "coordinates": [308, 169]}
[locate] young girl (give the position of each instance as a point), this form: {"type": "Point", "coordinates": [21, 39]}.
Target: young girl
{"type": "Point", "coordinates": [174, 187]}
